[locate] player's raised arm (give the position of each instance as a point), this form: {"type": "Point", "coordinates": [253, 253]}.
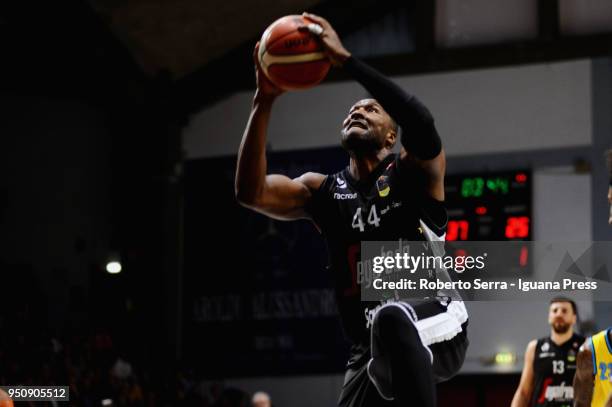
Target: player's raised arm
{"type": "Point", "coordinates": [583, 379]}
{"type": "Point", "coordinates": [420, 140]}
{"type": "Point", "coordinates": [277, 196]}
{"type": "Point", "coordinates": [524, 391]}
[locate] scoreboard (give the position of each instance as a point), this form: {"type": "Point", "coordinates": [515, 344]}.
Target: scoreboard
{"type": "Point", "coordinates": [493, 206]}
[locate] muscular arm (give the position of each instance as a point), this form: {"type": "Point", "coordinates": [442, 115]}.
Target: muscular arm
{"type": "Point", "coordinates": [523, 393]}
{"type": "Point", "coordinates": [583, 379]}
{"type": "Point", "coordinates": [274, 195]}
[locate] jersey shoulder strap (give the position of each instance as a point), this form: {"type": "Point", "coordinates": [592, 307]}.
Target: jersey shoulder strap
{"type": "Point", "coordinates": [434, 217]}
{"type": "Point", "coordinates": [320, 200]}
{"type": "Point", "coordinates": [601, 348]}
{"type": "Point", "coordinates": [542, 345]}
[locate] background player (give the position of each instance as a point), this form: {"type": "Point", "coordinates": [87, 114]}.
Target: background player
{"type": "Point", "coordinates": [379, 196]}
{"type": "Point", "coordinates": [550, 362]}
{"type": "Point", "coordinates": [593, 381]}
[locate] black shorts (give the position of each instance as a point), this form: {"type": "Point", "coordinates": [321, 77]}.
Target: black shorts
{"type": "Point", "coordinates": [442, 328]}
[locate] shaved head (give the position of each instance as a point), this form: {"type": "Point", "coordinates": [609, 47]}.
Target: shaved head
{"type": "Point", "coordinates": [261, 399]}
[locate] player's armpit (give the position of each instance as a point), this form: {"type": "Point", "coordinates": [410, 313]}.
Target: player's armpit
{"type": "Point", "coordinates": [284, 198]}
{"type": "Point", "coordinates": [583, 379]}
{"type": "Point", "coordinates": [524, 391]}
{"type": "Point", "coordinates": [433, 170]}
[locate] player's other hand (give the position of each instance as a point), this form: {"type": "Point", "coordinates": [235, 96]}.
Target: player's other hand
{"type": "Point", "coordinates": [321, 28]}
{"type": "Point", "coordinates": [265, 87]}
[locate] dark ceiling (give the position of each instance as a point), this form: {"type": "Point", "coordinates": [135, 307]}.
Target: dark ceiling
{"type": "Point", "coordinates": [182, 35]}
{"type": "Point", "coordinates": [191, 52]}
{"type": "Point", "coordinates": [106, 50]}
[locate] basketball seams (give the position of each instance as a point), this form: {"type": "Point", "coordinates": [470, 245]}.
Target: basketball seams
{"type": "Point", "coordinates": [306, 83]}
{"type": "Point", "coordinates": [293, 59]}
{"type": "Point", "coordinates": [290, 58]}
{"type": "Point", "coordinates": [266, 47]}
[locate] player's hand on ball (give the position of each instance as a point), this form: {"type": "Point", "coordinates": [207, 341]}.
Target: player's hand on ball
{"type": "Point", "coordinates": [265, 88]}
{"type": "Point", "coordinates": [322, 29]}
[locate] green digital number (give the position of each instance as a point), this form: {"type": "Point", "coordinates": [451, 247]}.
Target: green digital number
{"type": "Point", "coordinates": [472, 187]}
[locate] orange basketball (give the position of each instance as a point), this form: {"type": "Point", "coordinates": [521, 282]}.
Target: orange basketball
{"type": "Point", "coordinates": [292, 59]}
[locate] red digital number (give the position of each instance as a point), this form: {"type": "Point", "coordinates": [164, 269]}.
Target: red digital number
{"type": "Point", "coordinates": [457, 230]}
{"type": "Point", "coordinates": [524, 256]}
{"type": "Point", "coordinates": [517, 227]}
{"type": "Point", "coordinates": [481, 210]}
{"type": "Point", "coordinates": [521, 177]}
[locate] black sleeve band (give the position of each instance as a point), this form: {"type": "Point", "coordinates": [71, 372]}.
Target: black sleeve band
{"type": "Point", "coordinates": [419, 135]}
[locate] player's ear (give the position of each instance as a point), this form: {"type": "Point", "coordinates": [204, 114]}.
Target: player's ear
{"type": "Point", "coordinates": [390, 138]}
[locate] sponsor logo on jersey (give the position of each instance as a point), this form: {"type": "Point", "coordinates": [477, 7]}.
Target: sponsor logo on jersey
{"type": "Point", "coordinates": [382, 185]}
{"type": "Point", "coordinates": [370, 313]}
{"type": "Point", "coordinates": [571, 355]}
{"type": "Point", "coordinates": [561, 392]}
{"type": "Point", "coordinates": [344, 196]}
{"type": "Point", "coordinates": [546, 355]}
{"type": "Point", "coordinates": [341, 183]}
{"type": "Point", "coordinates": [545, 347]}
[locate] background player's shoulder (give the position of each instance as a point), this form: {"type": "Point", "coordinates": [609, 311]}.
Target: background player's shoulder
{"type": "Point", "coordinates": [533, 345]}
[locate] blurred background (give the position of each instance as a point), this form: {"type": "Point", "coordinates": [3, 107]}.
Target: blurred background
{"type": "Point", "coordinates": [128, 271]}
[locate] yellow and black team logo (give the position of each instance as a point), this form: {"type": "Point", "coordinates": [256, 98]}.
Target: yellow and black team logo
{"type": "Point", "coordinates": [571, 356]}
{"type": "Point", "coordinates": [382, 185]}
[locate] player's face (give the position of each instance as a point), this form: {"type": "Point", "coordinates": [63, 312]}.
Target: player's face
{"type": "Point", "coordinates": [366, 127]}
{"type": "Point", "coordinates": [561, 316]}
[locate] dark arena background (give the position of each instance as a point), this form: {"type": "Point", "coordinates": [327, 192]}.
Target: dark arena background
{"type": "Point", "coordinates": [130, 273]}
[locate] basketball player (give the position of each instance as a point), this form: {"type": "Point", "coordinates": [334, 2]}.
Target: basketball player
{"type": "Point", "coordinates": [400, 350]}
{"type": "Point", "coordinates": [550, 362]}
{"type": "Point", "coordinates": [593, 381]}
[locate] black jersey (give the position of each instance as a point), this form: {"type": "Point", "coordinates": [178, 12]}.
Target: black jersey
{"type": "Point", "coordinates": [391, 204]}
{"type": "Point", "coordinates": [554, 367]}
